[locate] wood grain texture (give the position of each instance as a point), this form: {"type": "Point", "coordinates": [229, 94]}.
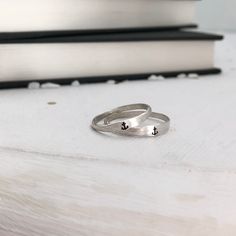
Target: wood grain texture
{"type": "Point", "coordinates": [58, 177]}
{"type": "Point", "coordinates": [41, 195]}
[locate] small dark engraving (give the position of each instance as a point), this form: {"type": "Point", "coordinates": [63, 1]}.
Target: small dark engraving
{"type": "Point", "coordinates": [124, 126]}
{"type": "Point", "coordinates": [155, 131]}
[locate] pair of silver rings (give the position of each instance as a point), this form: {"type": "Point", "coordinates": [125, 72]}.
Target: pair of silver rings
{"type": "Point", "coordinates": [132, 120]}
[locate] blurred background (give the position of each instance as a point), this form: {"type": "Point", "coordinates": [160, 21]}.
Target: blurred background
{"type": "Point", "coordinates": [218, 15]}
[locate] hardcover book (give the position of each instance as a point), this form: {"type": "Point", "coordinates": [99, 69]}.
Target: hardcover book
{"type": "Point", "coordinates": [100, 57]}
{"type": "Point", "coordinates": [94, 15]}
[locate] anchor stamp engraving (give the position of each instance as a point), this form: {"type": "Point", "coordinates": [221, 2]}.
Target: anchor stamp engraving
{"type": "Point", "coordinates": [124, 126]}
{"type": "Point", "coordinates": [155, 131]}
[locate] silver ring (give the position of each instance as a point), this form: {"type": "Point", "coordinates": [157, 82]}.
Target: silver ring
{"type": "Point", "coordinates": [162, 124]}
{"type": "Point", "coordinates": [134, 119]}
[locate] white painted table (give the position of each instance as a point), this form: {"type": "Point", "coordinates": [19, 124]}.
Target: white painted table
{"type": "Point", "coordinates": [58, 177]}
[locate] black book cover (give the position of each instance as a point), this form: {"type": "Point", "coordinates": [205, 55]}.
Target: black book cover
{"type": "Point", "coordinates": [103, 79]}
{"type": "Point", "coordinates": [68, 33]}
{"type": "Point", "coordinates": [153, 35]}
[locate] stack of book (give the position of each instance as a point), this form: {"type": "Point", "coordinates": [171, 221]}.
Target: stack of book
{"type": "Point", "coordinates": [91, 41]}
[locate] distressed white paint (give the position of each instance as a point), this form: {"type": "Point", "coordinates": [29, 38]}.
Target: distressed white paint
{"type": "Point", "coordinates": [58, 177]}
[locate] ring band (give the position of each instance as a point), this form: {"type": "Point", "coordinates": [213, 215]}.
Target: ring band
{"type": "Point", "coordinates": [161, 127]}
{"type": "Point", "coordinates": [134, 119]}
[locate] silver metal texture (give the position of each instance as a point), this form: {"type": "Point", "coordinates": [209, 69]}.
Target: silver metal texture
{"type": "Point", "coordinates": [161, 124]}
{"type": "Point", "coordinates": [135, 119]}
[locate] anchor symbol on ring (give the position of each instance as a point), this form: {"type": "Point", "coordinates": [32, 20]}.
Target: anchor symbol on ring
{"type": "Point", "coordinates": [124, 126]}
{"type": "Point", "coordinates": [155, 131]}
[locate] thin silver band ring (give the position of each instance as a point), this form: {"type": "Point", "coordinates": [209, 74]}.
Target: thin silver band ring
{"type": "Point", "coordinates": [161, 126]}
{"type": "Point", "coordinates": [135, 119]}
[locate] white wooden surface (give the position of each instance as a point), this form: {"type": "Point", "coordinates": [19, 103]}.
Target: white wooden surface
{"type": "Point", "coordinates": [58, 177]}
